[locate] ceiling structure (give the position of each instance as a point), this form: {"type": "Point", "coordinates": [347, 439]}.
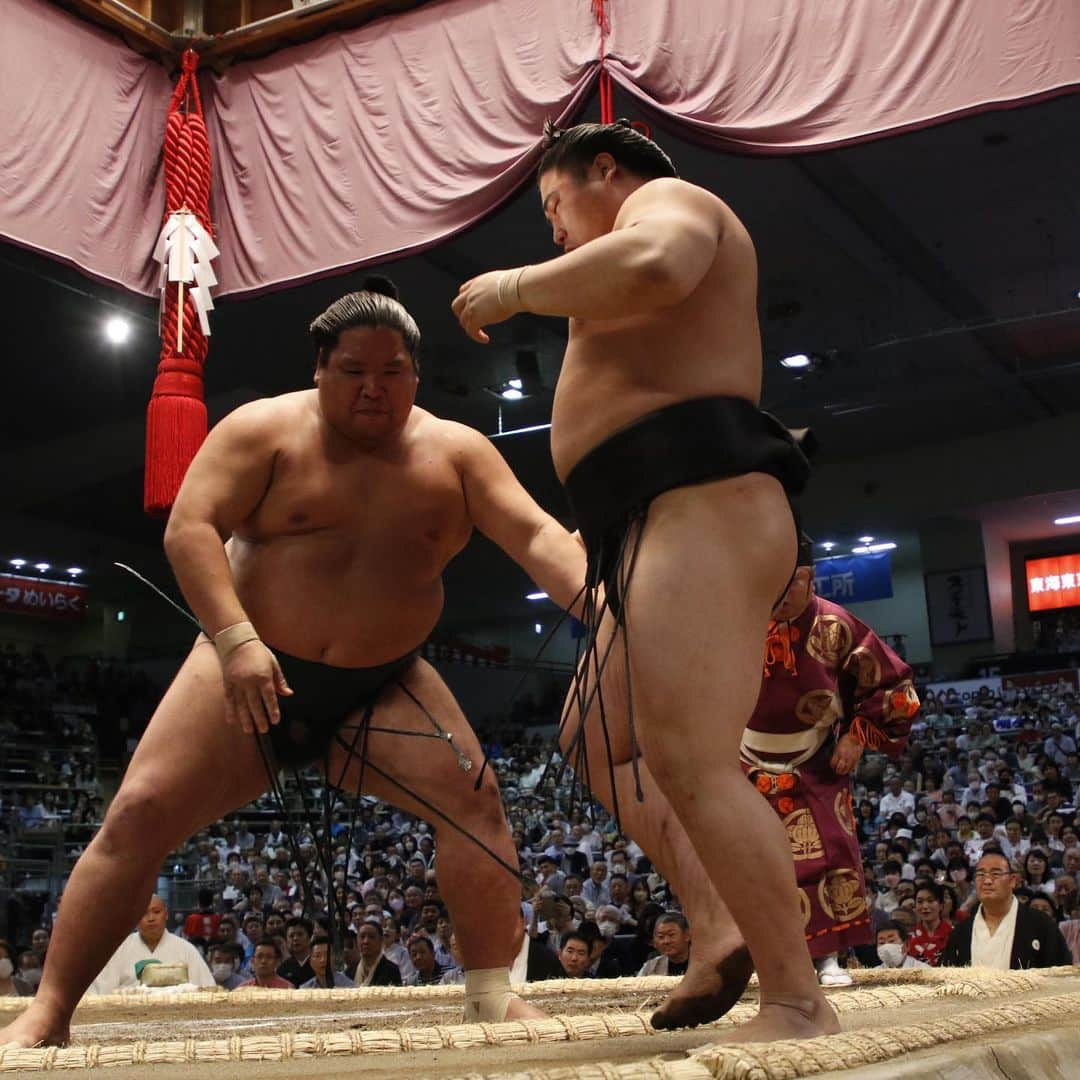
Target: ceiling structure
{"type": "Point", "coordinates": [933, 275]}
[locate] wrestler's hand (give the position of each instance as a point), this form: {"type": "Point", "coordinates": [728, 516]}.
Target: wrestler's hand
{"type": "Point", "coordinates": [253, 680]}
{"type": "Point", "coordinates": [846, 755]}
{"type": "Point", "coordinates": [477, 303]}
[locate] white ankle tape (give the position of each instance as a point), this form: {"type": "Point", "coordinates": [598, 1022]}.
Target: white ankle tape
{"type": "Point", "coordinates": [487, 995]}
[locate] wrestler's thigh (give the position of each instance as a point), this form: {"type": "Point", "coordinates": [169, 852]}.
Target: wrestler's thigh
{"type": "Point", "coordinates": [405, 763]}
{"type": "Point", "coordinates": [713, 560]}
{"type": "Point", "coordinates": [606, 712]}
{"type": "Point", "coordinates": [191, 767]}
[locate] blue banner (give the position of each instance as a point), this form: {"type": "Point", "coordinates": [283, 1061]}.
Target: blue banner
{"type": "Point", "coordinates": [851, 579]}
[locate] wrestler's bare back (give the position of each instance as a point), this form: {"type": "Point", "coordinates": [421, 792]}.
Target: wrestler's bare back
{"type": "Point", "coordinates": [341, 561]}
{"type": "Point", "coordinates": [617, 370]}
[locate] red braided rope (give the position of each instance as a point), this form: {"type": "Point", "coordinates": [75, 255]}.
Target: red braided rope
{"type": "Point", "coordinates": [607, 101]}
{"type": "Point", "coordinates": [176, 422]}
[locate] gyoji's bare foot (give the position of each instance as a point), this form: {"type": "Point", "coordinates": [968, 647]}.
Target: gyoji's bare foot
{"type": "Point", "coordinates": [785, 1016]}
{"type": "Point", "coordinates": [36, 1027]}
{"type": "Point", "coordinates": [519, 1010]}
{"type": "Point", "coordinates": [708, 990]}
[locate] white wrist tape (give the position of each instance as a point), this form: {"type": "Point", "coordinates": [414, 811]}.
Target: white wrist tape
{"type": "Point", "coordinates": [232, 637]}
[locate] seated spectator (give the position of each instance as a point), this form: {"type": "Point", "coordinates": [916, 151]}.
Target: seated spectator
{"type": "Point", "coordinates": [557, 916]}
{"type": "Point", "coordinates": [574, 955]}
{"type": "Point", "coordinates": [225, 964]}
{"type": "Point", "coordinates": [374, 967]}
{"type": "Point", "coordinates": [888, 882]}
{"type": "Point", "coordinates": [891, 940]}
{"type": "Point", "coordinates": [1043, 903]}
{"type": "Point", "coordinates": [151, 941]}
{"type": "Point", "coordinates": [264, 965]}
{"type": "Point", "coordinates": [394, 951]}
{"type": "Point", "coordinates": [932, 929]}
{"type": "Point", "coordinates": [671, 938]}
{"type": "Point", "coordinates": [1036, 872]}
{"type": "Point", "coordinates": [984, 829]}
{"type": "Point", "coordinates": [29, 969]}
{"type": "Point", "coordinates": [297, 967]}
{"type": "Point", "coordinates": [444, 953]}
{"type": "Point", "coordinates": [11, 985]}
{"type": "Point", "coordinates": [253, 932]}
{"type": "Point", "coordinates": [322, 962]}
{"type": "Point", "coordinates": [422, 955]}
{"type": "Point", "coordinates": [535, 962]}
{"type": "Point", "coordinates": [39, 943]}
{"type": "Point", "coordinates": [595, 890]}
{"type": "Point", "coordinates": [454, 974]}
{"type": "Point", "coordinates": [639, 897]}
{"type": "Point", "coordinates": [1004, 933]}
{"type": "Point", "coordinates": [204, 921]}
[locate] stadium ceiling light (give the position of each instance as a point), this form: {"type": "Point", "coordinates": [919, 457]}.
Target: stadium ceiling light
{"type": "Point", "coordinates": [117, 329]}
{"type": "Point", "coordinates": [536, 596]}
{"type": "Point", "coordinates": [1072, 519]}
{"type": "Point", "coordinates": [41, 567]}
{"type": "Point", "coordinates": [796, 361]}
{"type": "Point", "coordinates": [17, 563]}
{"type": "Point", "coordinates": [866, 539]}
{"type": "Point", "coordinates": [828, 545]}
{"type": "Point", "coordinates": [74, 571]}
{"type": "Point", "coordinates": [873, 549]}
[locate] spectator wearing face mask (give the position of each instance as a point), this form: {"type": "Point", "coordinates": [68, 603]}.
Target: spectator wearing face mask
{"type": "Point", "coordinates": [225, 963]}
{"type": "Point", "coordinates": [29, 969]}
{"type": "Point", "coordinates": [10, 983]}
{"type": "Point", "coordinates": [887, 900]}
{"type": "Point", "coordinates": [891, 941]}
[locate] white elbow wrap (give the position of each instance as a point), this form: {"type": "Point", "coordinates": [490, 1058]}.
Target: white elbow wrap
{"type": "Point", "coordinates": [487, 995]}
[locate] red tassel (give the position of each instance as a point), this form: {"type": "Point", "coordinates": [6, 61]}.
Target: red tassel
{"type": "Point", "coordinates": [176, 417]}
{"type": "Point", "coordinates": [175, 429]}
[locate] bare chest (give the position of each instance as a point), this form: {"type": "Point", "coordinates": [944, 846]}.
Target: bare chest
{"type": "Point", "coordinates": [372, 502]}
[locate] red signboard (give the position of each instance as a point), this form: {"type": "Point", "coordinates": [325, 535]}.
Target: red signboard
{"type": "Point", "coordinates": [1053, 583]}
{"type": "Point", "coordinates": [45, 599]}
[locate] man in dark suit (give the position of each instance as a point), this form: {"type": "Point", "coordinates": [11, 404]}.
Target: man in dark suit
{"type": "Point", "coordinates": [373, 967]}
{"type": "Point", "coordinates": [1003, 933]}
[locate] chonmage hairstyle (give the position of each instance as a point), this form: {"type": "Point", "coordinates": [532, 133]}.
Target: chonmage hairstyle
{"type": "Point", "coordinates": [575, 149]}
{"type": "Point", "coordinates": [375, 305]}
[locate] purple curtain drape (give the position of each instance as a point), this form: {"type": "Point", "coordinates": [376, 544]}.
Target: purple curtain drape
{"type": "Point", "coordinates": [80, 143]}
{"type": "Point", "coordinates": [394, 136]}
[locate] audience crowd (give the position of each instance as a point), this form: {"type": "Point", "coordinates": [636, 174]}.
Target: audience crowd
{"type": "Point", "coordinates": [986, 793]}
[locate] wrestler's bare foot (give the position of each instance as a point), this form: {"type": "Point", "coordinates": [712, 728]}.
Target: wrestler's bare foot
{"type": "Point", "coordinates": [519, 1010]}
{"type": "Point", "coordinates": [708, 990]}
{"type": "Point", "coordinates": [36, 1027]}
{"type": "Point", "coordinates": [785, 1016]}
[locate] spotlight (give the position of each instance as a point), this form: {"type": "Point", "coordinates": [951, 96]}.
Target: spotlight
{"type": "Point", "coordinates": [41, 567]}
{"type": "Point", "coordinates": [74, 571]}
{"type": "Point", "coordinates": [17, 563]}
{"type": "Point", "coordinates": [1072, 519]}
{"type": "Point", "coordinates": [536, 596]}
{"type": "Point", "coordinates": [117, 329]}
{"type": "Point", "coordinates": [509, 390]}
{"type": "Point", "coordinates": [796, 361]}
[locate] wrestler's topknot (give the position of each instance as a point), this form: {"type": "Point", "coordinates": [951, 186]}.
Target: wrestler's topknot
{"type": "Point", "coordinates": [574, 149]}
{"type": "Point", "coordinates": [376, 304]}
